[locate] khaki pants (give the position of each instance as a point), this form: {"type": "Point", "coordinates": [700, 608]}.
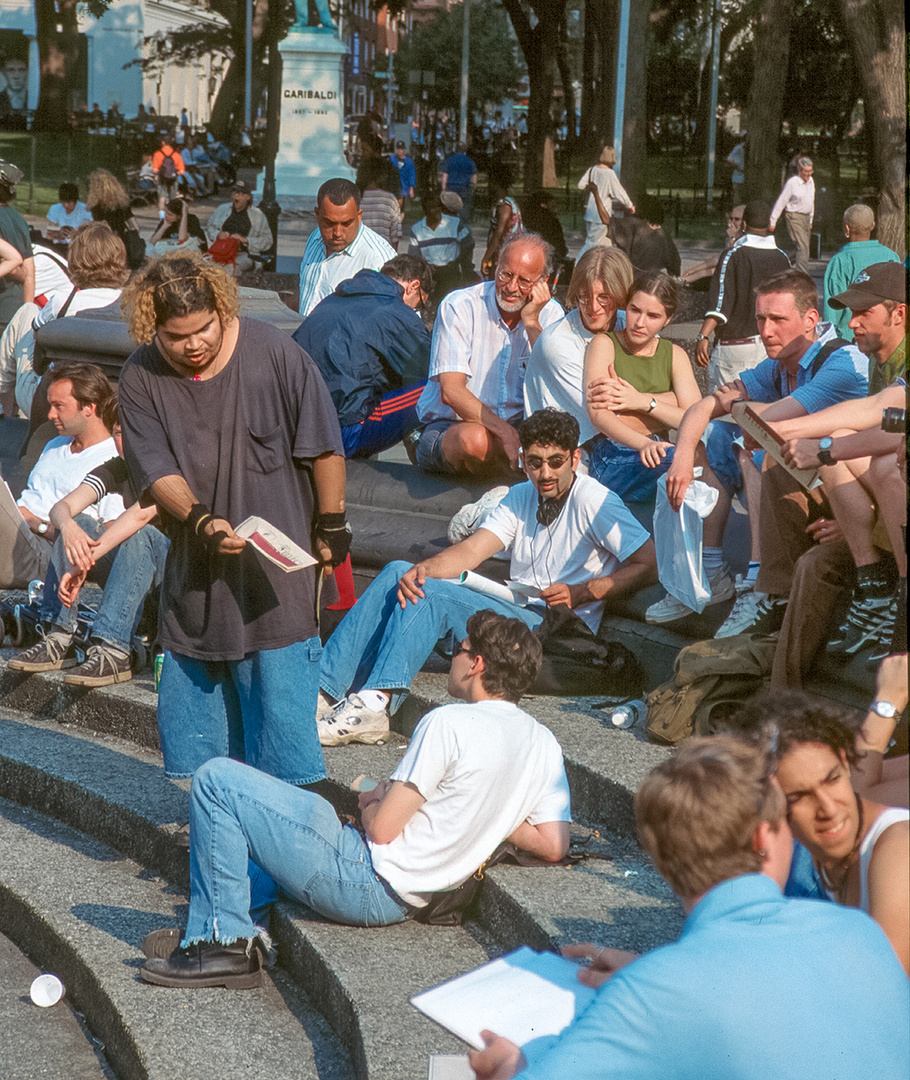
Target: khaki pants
{"type": "Point", "coordinates": [800, 228]}
{"type": "Point", "coordinates": [729, 361]}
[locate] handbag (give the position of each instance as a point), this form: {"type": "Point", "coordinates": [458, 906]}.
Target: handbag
{"type": "Point", "coordinates": [225, 250]}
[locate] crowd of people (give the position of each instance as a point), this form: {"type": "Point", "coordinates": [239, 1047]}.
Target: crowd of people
{"type": "Point", "coordinates": [579, 416]}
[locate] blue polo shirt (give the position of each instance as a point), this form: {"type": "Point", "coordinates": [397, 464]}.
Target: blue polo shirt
{"type": "Point", "coordinates": [758, 986]}
{"type": "Point", "coordinates": [842, 376]}
{"type": "Point", "coordinates": [459, 169]}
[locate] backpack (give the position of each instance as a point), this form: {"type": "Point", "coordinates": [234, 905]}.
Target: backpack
{"type": "Point", "coordinates": [712, 680]}
{"type": "Point", "coordinates": [167, 170]}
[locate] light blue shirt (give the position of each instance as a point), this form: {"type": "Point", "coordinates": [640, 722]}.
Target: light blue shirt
{"type": "Point", "coordinates": [842, 376]}
{"type": "Point", "coordinates": [757, 987]}
{"type": "Point", "coordinates": [320, 273]}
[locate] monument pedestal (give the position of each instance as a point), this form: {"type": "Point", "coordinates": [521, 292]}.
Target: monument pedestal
{"type": "Point", "coordinates": [310, 149]}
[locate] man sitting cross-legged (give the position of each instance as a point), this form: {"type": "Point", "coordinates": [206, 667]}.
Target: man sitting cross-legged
{"type": "Point", "coordinates": [460, 790]}
{"type": "Point", "coordinates": [569, 537]}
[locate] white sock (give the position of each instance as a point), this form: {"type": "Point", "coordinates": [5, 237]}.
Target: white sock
{"type": "Point", "coordinates": [375, 700]}
{"type": "Point", "coordinates": [711, 558]}
{"type": "Point", "coordinates": [752, 572]}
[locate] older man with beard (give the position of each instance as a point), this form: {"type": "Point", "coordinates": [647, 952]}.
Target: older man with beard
{"type": "Point", "coordinates": [481, 342]}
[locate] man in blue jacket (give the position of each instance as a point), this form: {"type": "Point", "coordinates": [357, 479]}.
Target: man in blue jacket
{"type": "Point", "coordinates": [373, 351]}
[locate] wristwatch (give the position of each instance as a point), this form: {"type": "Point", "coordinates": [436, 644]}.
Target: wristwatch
{"type": "Point", "coordinates": [42, 527]}
{"type": "Point", "coordinates": [824, 450]}
{"type": "Point", "coordinates": [884, 709]}
{"type": "Point", "coordinates": [653, 404]}
{"type": "Point", "coordinates": [703, 337]}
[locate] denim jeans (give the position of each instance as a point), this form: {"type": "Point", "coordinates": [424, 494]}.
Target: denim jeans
{"type": "Point", "coordinates": [379, 646]}
{"type": "Point", "coordinates": [238, 813]}
{"type": "Point", "coordinates": [138, 568]}
{"type": "Point", "coordinates": [261, 709]}
{"type": "Point", "coordinates": [51, 610]}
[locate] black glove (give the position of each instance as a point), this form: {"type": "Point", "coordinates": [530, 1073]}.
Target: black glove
{"type": "Point", "coordinates": [335, 532]}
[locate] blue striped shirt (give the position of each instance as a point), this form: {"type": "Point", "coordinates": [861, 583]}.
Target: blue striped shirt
{"type": "Point", "coordinates": [319, 273]}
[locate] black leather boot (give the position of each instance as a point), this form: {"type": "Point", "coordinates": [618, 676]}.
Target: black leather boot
{"type": "Point", "coordinates": [237, 966]}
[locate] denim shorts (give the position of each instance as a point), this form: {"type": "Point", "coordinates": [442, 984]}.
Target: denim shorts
{"type": "Point", "coordinates": [429, 448]}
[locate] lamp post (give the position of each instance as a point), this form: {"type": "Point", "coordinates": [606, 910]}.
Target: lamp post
{"type": "Point", "coordinates": [269, 204]}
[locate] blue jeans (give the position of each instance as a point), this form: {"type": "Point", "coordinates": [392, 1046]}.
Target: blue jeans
{"type": "Point", "coordinates": [379, 646]}
{"type": "Point", "coordinates": [51, 610]}
{"type": "Point", "coordinates": [138, 568]}
{"type": "Point", "coordinates": [261, 709]}
{"type": "Point", "coordinates": [239, 814]}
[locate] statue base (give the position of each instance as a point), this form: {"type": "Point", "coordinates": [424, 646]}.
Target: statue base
{"type": "Point", "coordinates": [310, 148]}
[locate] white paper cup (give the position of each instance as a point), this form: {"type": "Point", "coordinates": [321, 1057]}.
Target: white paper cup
{"type": "Point", "coordinates": [46, 990]}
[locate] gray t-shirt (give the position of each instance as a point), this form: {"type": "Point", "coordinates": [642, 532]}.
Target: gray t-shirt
{"type": "Point", "coordinates": [238, 440]}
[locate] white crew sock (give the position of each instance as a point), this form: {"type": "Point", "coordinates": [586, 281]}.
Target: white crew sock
{"type": "Point", "coordinates": [375, 700]}
{"type": "Point", "coordinates": [752, 573]}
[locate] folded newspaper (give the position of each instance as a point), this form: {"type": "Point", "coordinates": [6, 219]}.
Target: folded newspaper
{"type": "Point", "coordinates": [510, 592]}
{"type": "Point", "coordinates": [524, 995]}
{"type": "Point", "coordinates": [274, 545]}
{"type": "Point", "coordinates": [768, 439]}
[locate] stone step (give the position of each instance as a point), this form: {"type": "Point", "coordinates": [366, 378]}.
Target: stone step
{"type": "Point", "coordinates": [80, 910]}
{"type": "Point", "coordinates": [360, 979]}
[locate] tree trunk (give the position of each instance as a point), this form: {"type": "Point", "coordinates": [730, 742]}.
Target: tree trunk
{"type": "Point", "coordinates": [876, 31]}
{"type": "Point", "coordinates": [766, 97]}
{"type": "Point", "coordinates": [635, 117]}
{"type": "Point", "coordinates": [58, 54]}
{"type": "Point", "coordinates": [568, 90]}
{"type": "Point", "coordinates": [229, 103]}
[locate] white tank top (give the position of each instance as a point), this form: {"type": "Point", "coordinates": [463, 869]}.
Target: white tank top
{"type": "Point", "coordinates": [885, 819]}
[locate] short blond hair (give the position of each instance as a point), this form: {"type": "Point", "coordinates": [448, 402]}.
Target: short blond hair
{"type": "Point", "coordinates": [697, 813]}
{"type": "Point", "coordinates": [176, 284]}
{"type": "Point", "coordinates": [607, 156]}
{"type": "Point", "coordinates": [610, 267]}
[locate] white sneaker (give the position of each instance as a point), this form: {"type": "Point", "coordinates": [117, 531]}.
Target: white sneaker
{"type": "Point", "coordinates": [670, 609]}
{"type": "Point", "coordinates": [743, 615]}
{"type": "Point", "coordinates": [470, 517]}
{"type": "Point", "coordinates": [351, 721]}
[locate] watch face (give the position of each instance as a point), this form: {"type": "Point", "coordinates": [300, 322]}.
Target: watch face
{"type": "Point", "coordinates": [884, 709]}
{"type": "Point", "coordinates": [825, 443]}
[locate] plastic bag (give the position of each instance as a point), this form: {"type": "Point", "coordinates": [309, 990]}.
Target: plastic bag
{"type": "Point", "coordinates": [678, 541]}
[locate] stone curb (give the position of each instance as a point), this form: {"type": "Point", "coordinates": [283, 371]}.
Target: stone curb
{"type": "Point", "coordinates": [81, 910]}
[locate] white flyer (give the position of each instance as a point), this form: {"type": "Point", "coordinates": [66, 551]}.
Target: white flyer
{"type": "Point", "coordinates": [274, 545]}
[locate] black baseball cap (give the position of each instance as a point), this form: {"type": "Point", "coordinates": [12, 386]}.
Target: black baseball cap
{"type": "Point", "coordinates": [872, 285]}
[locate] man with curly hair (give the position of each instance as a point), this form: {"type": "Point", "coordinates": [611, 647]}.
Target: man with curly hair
{"type": "Point", "coordinates": [224, 418]}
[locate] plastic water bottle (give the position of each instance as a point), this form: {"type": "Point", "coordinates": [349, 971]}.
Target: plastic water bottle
{"type": "Point", "coordinates": [628, 714]}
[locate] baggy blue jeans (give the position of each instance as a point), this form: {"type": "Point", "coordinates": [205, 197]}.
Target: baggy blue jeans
{"type": "Point", "coordinates": [261, 709]}
{"type": "Point", "coordinates": [138, 568]}
{"type": "Point", "coordinates": [237, 814]}
{"type": "Point", "coordinates": [51, 610]}
{"type": "Point", "coordinates": [379, 646]}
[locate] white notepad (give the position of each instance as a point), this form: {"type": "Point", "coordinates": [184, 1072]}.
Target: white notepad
{"type": "Point", "coordinates": [523, 996]}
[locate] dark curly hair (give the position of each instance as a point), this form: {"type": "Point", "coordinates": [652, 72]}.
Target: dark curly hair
{"type": "Point", "coordinates": [512, 653]}
{"type": "Point", "coordinates": [797, 718]}
{"type": "Point", "coordinates": [549, 427]}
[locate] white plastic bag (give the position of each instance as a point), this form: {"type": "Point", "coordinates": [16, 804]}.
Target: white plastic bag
{"type": "Point", "coordinates": [678, 540]}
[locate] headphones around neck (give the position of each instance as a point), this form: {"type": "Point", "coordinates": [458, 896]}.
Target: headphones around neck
{"type": "Point", "coordinates": [548, 510]}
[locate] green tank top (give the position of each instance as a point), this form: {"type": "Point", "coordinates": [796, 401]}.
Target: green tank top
{"type": "Point", "coordinates": [648, 374]}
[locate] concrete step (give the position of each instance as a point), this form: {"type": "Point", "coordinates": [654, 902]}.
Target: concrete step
{"type": "Point", "coordinates": [80, 910]}
{"type": "Point", "coordinates": [360, 979]}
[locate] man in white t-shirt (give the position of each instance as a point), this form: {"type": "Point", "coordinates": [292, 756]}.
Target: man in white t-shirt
{"type": "Point", "coordinates": [458, 792]}
{"type": "Point", "coordinates": [66, 216]}
{"type": "Point", "coordinates": [78, 397]}
{"type": "Point", "coordinates": [572, 542]}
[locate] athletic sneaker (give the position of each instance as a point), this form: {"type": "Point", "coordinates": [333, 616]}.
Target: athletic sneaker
{"type": "Point", "coordinates": [351, 721]}
{"type": "Point", "coordinates": [769, 616]}
{"type": "Point", "coordinates": [743, 615]}
{"type": "Point", "coordinates": [324, 707]}
{"type": "Point", "coordinates": [54, 652]}
{"type": "Point", "coordinates": [869, 624]}
{"type": "Point", "coordinates": [670, 609]}
{"type": "Point", "coordinates": [104, 665]}
{"type": "Point", "coordinates": [470, 517]}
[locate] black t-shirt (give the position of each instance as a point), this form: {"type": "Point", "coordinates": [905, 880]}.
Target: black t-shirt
{"type": "Point", "coordinates": [194, 229]}
{"type": "Point", "coordinates": [238, 440]}
{"type": "Point", "coordinates": [237, 223]}
{"type": "Point", "coordinates": [111, 478]}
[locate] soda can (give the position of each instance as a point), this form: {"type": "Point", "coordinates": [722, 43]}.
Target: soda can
{"type": "Point", "coordinates": [159, 662]}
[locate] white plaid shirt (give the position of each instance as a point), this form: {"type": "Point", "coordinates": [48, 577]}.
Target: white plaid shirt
{"type": "Point", "coordinates": [471, 336]}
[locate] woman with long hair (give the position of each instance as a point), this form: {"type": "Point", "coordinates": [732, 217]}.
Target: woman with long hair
{"type": "Point", "coordinates": [108, 201]}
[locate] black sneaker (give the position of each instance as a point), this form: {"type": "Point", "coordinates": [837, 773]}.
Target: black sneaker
{"type": "Point", "coordinates": [54, 652]}
{"type": "Point", "coordinates": [103, 666]}
{"type": "Point", "coordinates": [769, 616]}
{"type": "Point", "coordinates": [869, 624]}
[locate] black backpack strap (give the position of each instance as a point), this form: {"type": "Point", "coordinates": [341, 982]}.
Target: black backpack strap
{"type": "Point", "coordinates": [67, 302]}
{"type": "Point", "coordinates": [817, 361]}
